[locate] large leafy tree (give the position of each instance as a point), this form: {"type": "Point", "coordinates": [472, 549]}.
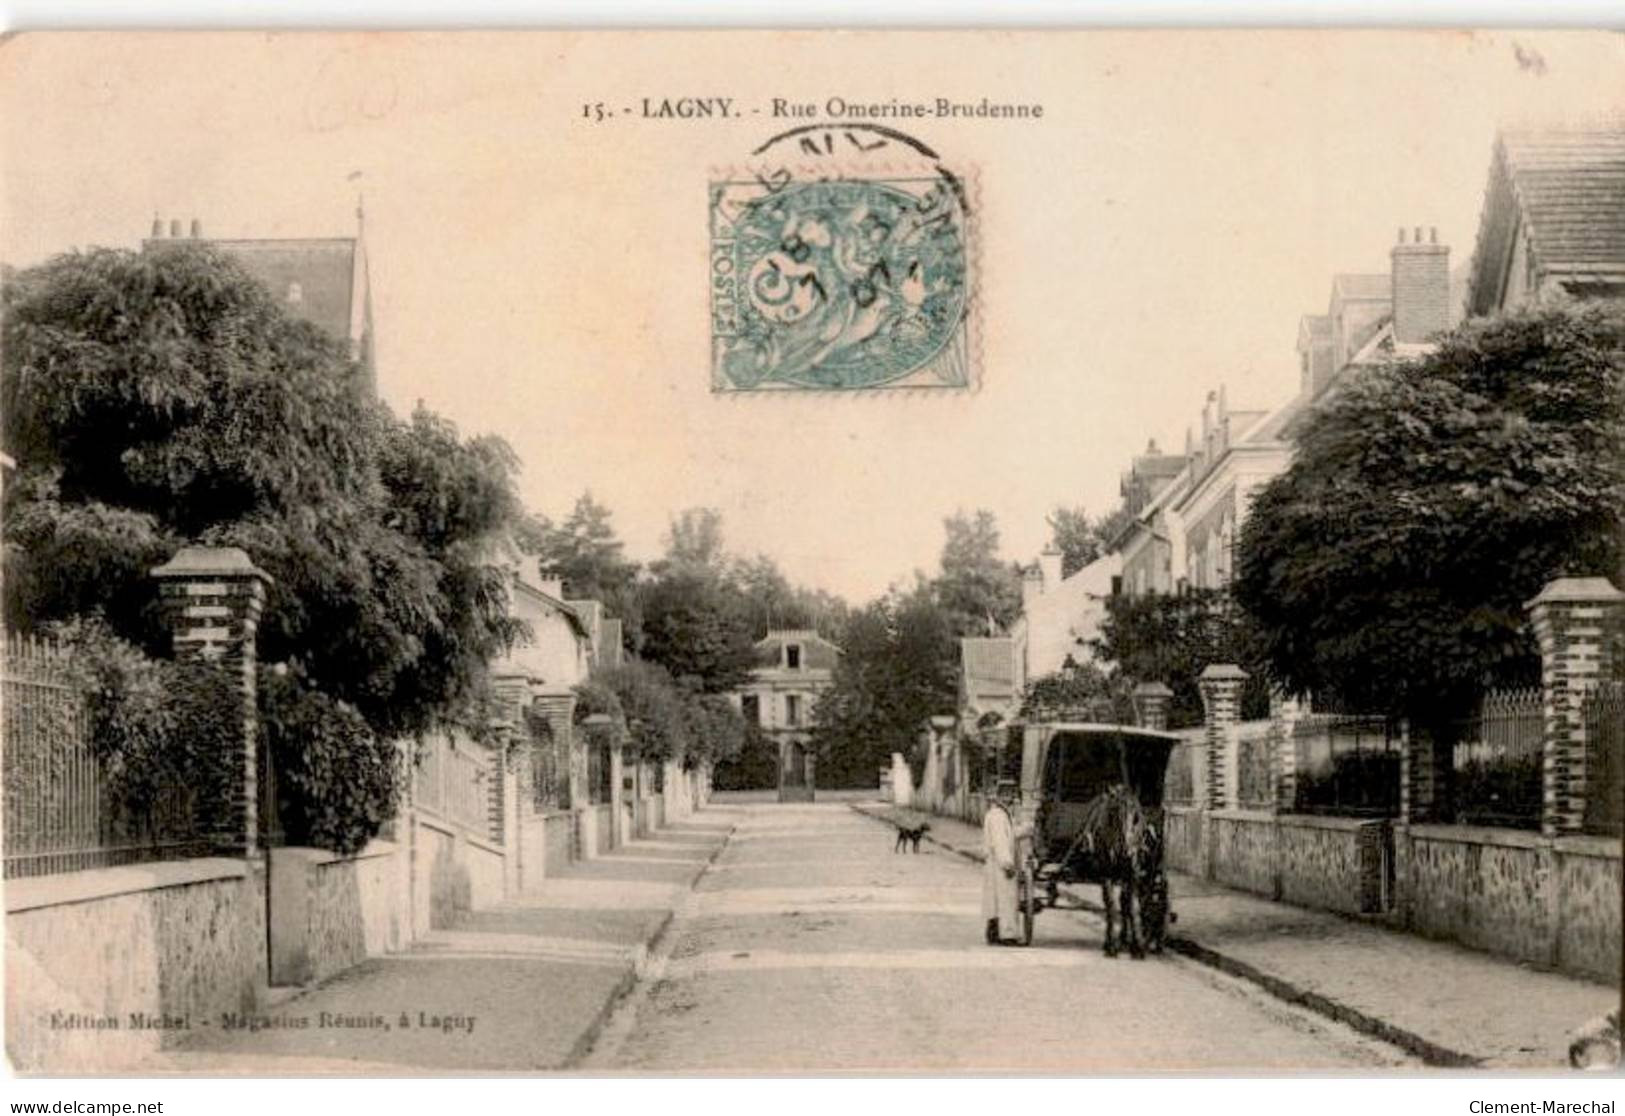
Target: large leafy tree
{"type": "Point", "coordinates": [1172, 638]}
{"type": "Point", "coordinates": [163, 398]}
{"type": "Point", "coordinates": [978, 592]}
{"type": "Point", "coordinates": [896, 670]}
{"type": "Point", "coordinates": [1429, 501]}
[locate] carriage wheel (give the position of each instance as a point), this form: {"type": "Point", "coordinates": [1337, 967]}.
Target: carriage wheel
{"type": "Point", "coordinates": [1027, 896]}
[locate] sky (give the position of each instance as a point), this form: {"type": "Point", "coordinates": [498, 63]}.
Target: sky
{"type": "Point", "coordinates": [1184, 199]}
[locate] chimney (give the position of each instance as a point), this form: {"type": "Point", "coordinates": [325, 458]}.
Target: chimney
{"type": "Point", "coordinates": [1049, 565]}
{"type": "Point", "coordinates": [1421, 282]}
{"type": "Point", "coordinates": [157, 227]}
{"type": "Point", "coordinates": [175, 228]}
{"type": "Point", "coordinates": [197, 229]}
{"type": "Point", "coordinates": [1032, 587]}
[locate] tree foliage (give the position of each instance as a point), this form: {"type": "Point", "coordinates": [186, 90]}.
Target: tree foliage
{"type": "Point", "coordinates": [1079, 692]}
{"type": "Point", "coordinates": [1171, 639]}
{"type": "Point", "coordinates": [585, 552]}
{"type": "Point", "coordinates": [1429, 501]}
{"type": "Point", "coordinates": [896, 670]}
{"type": "Point", "coordinates": [1081, 539]}
{"type": "Point", "coordinates": [163, 398]}
{"type": "Point", "coordinates": [979, 593]}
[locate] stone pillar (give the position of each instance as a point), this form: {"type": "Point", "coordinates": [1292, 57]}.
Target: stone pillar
{"type": "Point", "coordinates": [1284, 714]}
{"type": "Point", "coordinates": [618, 826]}
{"type": "Point", "coordinates": [1221, 699]}
{"type": "Point", "coordinates": [1151, 705]}
{"type": "Point", "coordinates": [212, 598]}
{"type": "Point", "coordinates": [1424, 773]}
{"type": "Point", "coordinates": [1574, 619]}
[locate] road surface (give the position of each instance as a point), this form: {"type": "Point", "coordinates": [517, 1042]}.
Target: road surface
{"type": "Point", "coordinates": [809, 945]}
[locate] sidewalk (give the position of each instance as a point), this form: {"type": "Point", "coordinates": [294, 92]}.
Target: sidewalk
{"type": "Point", "coordinates": [520, 987]}
{"type": "Point", "coordinates": [1448, 1005]}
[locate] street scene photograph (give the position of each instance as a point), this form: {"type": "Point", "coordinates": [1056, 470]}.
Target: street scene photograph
{"type": "Point", "coordinates": [818, 553]}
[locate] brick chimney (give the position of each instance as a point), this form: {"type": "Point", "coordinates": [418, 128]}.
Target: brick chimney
{"type": "Point", "coordinates": [1032, 587]}
{"type": "Point", "coordinates": [1421, 274]}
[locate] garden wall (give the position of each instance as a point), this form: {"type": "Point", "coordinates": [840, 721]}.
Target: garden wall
{"type": "Point", "coordinates": [106, 966]}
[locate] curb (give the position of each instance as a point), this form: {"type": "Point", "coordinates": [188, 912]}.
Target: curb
{"type": "Point", "coordinates": [1431, 1053]}
{"type": "Point", "coordinates": [635, 971]}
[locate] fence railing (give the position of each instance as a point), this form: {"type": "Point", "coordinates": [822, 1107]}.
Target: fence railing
{"type": "Point", "coordinates": [1604, 714]}
{"type": "Point", "coordinates": [1497, 757]}
{"type": "Point", "coordinates": [1254, 743]}
{"type": "Point", "coordinates": [1181, 781]}
{"type": "Point", "coordinates": [1347, 765]}
{"type": "Point", "coordinates": [61, 810]}
{"type": "Point", "coordinates": [453, 782]}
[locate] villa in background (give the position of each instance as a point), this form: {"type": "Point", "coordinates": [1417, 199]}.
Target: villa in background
{"type": "Point", "coordinates": [793, 669]}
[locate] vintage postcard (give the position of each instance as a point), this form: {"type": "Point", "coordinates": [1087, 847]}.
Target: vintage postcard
{"type": "Point", "coordinates": [827, 552]}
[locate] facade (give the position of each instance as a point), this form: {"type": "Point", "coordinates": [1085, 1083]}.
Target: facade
{"type": "Point", "coordinates": [794, 667]}
{"type": "Point", "coordinates": [1060, 617]}
{"type": "Point", "coordinates": [1186, 525]}
{"type": "Point", "coordinates": [987, 679]}
{"type": "Point", "coordinates": [321, 280]}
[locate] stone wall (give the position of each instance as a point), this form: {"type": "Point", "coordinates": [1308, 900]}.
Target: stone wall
{"type": "Point", "coordinates": [182, 940]}
{"type": "Point", "coordinates": [1325, 863]}
{"type": "Point", "coordinates": [1552, 903]}
{"type": "Point", "coordinates": [329, 912]}
{"type": "Point", "coordinates": [1182, 849]}
{"type": "Point", "coordinates": [1244, 851]}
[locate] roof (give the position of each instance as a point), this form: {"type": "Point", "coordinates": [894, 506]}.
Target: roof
{"type": "Point", "coordinates": [1313, 328]}
{"type": "Point", "coordinates": [990, 660]}
{"type": "Point", "coordinates": [321, 280]}
{"type": "Point", "coordinates": [1362, 287]}
{"type": "Point", "coordinates": [818, 652]}
{"type": "Point", "coordinates": [1567, 188]}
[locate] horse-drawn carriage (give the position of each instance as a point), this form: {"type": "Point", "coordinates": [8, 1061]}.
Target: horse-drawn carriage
{"type": "Point", "coordinates": [1091, 811]}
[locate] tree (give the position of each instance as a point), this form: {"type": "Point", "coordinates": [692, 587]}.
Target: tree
{"type": "Point", "coordinates": [694, 542]}
{"type": "Point", "coordinates": [896, 670]}
{"type": "Point", "coordinates": [1080, 539]}
{"type": "Point", "coordinates": [1079, 692]}
{"type": "Point", "coordinates": [162, 398]}
{"type": "Point", "coordinates": [1389, 565]}
{"type": "Point", "coordinates": [1171, 639]}
{"type": "Point", "coordinates": [978, 592]}
{"type": "Point", "coordinates": [586, 554]}
{"type": "Point", "coordinates": [696, 625]}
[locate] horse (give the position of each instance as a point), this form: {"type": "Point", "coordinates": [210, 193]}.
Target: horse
{"type": "Point", "coordinates": [1116, 845]}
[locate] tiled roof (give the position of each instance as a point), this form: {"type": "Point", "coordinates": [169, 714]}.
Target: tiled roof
{"type": "Point", "coordinates": [989, 661]}
{"type": "Point", "coordinates": [1315, 327]}
{"type": "Point", "coordinates": [1571, 187]}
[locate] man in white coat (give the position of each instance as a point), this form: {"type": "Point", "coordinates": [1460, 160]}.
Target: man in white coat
{"type": "Point", "coordinates": [999, 905]}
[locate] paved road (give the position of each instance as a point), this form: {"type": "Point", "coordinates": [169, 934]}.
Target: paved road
{"type": "Point", "coordinates": [810, 945]}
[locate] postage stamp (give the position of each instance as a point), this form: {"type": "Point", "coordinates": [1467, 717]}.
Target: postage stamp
{"type": "Point", "coordinates": [846, 266]}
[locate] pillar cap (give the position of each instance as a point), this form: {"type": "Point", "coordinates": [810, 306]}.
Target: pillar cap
{"type": "Point", "coordinates": [944, 721]}
{"type": "Point", "coordinates": [1222, 672]}
{"type": "Point", "coordinates": [210, 561]}
{"type": "Point", "coordinates": [1577, 590]}
{"type": "Point", "coordinates": [1152, 689]}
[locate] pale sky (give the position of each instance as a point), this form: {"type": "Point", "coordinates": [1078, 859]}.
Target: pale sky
{"type": "Point", "coordinates": [1183, 200]}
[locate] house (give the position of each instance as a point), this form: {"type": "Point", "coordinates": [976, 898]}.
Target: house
{"type": "Point", "coordinates": [1553, 220]}
{"type": "Point", "coordinates": [321, 280]}
{"type": "Point", "coordinates": [987, 678]}
{"type": "Point", "coordinates": [1060, 616]}
{"type": "Point", "coordinates": [794, 667]}
{"type": "Point", "coordinates": [1187, 521]}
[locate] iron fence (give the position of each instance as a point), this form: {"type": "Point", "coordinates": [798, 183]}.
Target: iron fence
{"type": "Point", "coordinates": [1254, 787]}
{"type": "Point", "coordinates": [1604, 714]}
{"type": "Point", "coordinates": [1347, 765]}
{"type": "Point", "coordinates": [1496, 761]}
{"type": "Point", "coordinates": [1180, 789]}
{"type": "Point", "coordinates": [62, 810]}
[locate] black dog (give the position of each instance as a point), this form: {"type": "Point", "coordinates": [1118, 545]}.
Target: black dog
{"type": "Point", "coordinates": [907, 836]}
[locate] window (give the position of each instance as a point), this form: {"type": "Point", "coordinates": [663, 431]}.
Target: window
{"type": "Point", "coordinates": [792, 656]}
{"type": "Point", "coordinates": [296, 293]}
{"type": "Point", "coordinates": [750, 707]}
{"type": "Point", "coordinates": [792, 709]}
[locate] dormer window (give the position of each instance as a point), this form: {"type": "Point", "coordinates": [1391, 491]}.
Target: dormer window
{"type": "Point", "coordinates": [792, 656]}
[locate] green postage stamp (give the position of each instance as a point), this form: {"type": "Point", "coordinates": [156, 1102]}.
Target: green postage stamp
{"type": "Point", "coordinates": [842, 260]}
